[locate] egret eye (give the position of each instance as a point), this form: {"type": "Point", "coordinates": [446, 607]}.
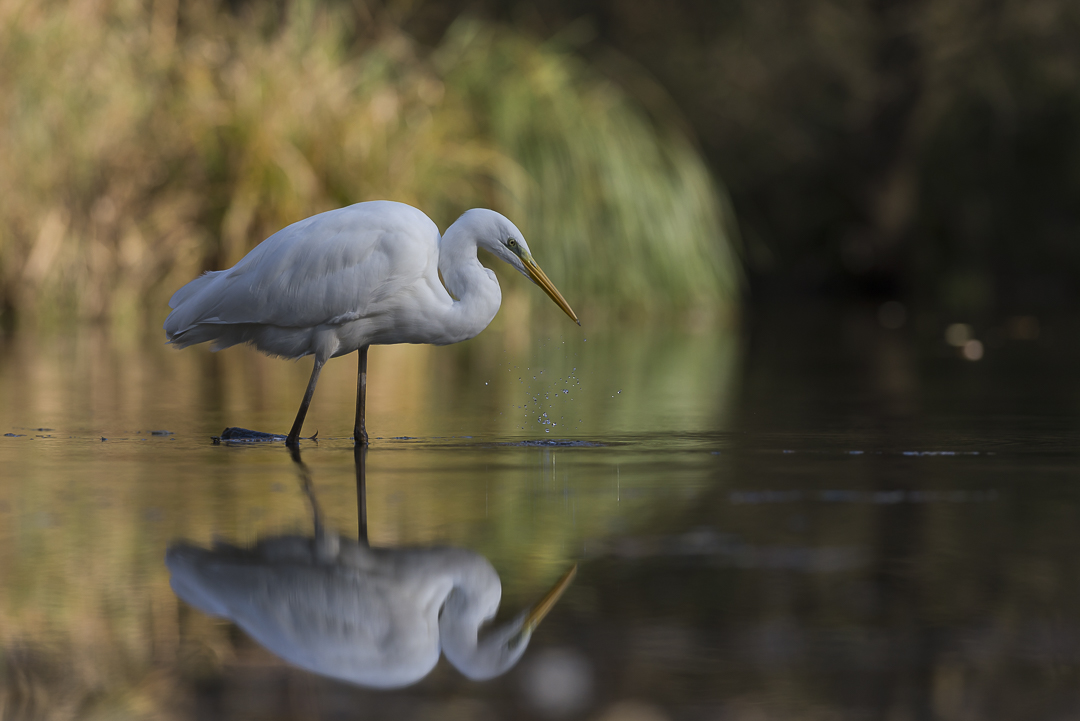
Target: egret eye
{"type": "Point", "coordinates": [511, 244]}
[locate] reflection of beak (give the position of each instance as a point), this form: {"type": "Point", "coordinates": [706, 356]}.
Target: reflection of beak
{"type": "Point", "coordinates": [536, 615]}
{"type": "Point", "coordinates": [541, 280]}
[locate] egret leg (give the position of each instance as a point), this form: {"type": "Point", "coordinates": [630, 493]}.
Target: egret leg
{"type": "Point", "coordinates": [309, 489]}
{"type": "Point", "coordinates": [359, 431]}
{"type": "Point", "coordinates": [294, 435]}
{"type": "Point", "coordinates": [327, 543]}
{"type": "Point", "coordinates": [360, 457]}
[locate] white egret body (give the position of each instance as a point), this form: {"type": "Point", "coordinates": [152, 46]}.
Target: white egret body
{"type": "Point", "coordinates": [374, 617]}
{"type": "Point", "coordinates": [343, 280]}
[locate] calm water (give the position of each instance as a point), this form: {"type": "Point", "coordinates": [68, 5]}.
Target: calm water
{"type": "Point", "coordinates": [808, 518]}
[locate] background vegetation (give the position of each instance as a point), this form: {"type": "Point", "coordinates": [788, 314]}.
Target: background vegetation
{"type": "Point", "coordinates": [926, 151]}
{"type": "Point", "coordinates": [877, 149]}
{"type": "Point", "coordinates": [145, 142]}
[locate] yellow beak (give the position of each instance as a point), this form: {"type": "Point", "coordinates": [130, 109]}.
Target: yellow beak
{"type": "Point", "coordinates": [536, 615]}
{"type": "Point", "coordinates": [541, 280]}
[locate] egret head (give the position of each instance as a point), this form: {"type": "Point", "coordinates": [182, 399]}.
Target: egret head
{"type": "Point", "coordinates": [500, 648]}
{"type": "Point", "coordinates": [497, 235]}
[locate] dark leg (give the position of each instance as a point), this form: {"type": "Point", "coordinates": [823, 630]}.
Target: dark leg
{"type": "Point", "coordinates": [308, 488]}
{"type": "Point", "coordinates": [298, 424]}
{"type": "Point", "coordinates": [360, 456]}
{"type": "Point", "coordinates": [359, 431]}
{"type": "Point", "coordinates": [327, 543]}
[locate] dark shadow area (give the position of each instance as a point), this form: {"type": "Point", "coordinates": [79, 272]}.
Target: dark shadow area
{"type": "Point", "coordinates": [923, 151]}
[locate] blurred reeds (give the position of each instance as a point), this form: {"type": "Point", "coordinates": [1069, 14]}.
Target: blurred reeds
{"type": "Point", "coordinates": [144, 142]}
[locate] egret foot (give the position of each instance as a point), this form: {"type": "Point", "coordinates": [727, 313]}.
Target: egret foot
{"type": "Point", "coordinates": [293, 443]}
{"type": "Point", "coordinates": [244, 435]}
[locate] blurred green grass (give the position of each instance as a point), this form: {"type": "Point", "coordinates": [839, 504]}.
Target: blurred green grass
{"type": "Point", "coordinates": [143, 143]}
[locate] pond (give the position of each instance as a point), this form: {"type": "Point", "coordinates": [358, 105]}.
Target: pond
{"type": "Point", "coordinates": [808, 516]}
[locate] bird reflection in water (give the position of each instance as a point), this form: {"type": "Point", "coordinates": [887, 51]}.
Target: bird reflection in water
{"type": "Point", "coordinates": [376, 617]}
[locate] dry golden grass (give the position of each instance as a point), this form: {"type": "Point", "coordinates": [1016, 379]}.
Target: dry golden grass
{"type": "Point", "coordinates": [144, 142]}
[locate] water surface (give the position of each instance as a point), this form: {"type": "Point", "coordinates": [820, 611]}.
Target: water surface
{"type": "Point", "coordinates": [811, 517]}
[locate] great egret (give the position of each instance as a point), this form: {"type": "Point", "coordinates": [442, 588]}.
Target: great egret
{"type": "Point", "coordinates": [343, 280]}
{"type": "Point", "coordinates": [369, 616]}
{"type": "Point", "coordinates": [376, 617]}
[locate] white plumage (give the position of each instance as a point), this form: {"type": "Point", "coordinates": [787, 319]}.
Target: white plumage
{"type": "Point", "coordinates": [371, 616]}
{"type": "Point", "coordinates": [343, 280]}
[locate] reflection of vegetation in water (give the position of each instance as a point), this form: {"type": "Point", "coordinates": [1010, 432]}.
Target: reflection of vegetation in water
{"type": "Point", "coordinates": [90, 624]}
{"type": "Point", "coordinates": [87, 621]}
{"type": "Point", "coordinates": [618, 380]}
{"type": "Point", "coordinates": [669, 380]}
{"type": "Point", "coordinates": [86, 617]}
{"type": "Point", "coordinates": [144, 143]}
{"type": "Point", "coordinates": [985, 589]}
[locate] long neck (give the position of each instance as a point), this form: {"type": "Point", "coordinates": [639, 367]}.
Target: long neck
{"type": "Point", "coordinates": [474, 287]}
{"type": "Point", "coordinates": [472, 602]}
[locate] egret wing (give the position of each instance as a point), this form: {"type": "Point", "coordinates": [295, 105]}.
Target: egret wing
{"type": "Point", "coordinates": [328, 619]}
{"type": "Point", "coordinates": [330, 268]}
